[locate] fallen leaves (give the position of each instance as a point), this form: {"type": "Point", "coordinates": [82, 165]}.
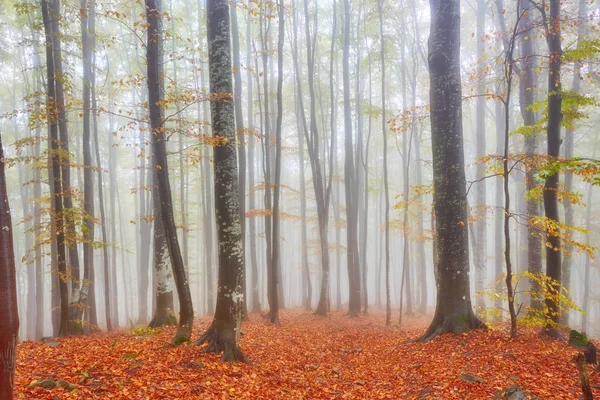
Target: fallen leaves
{"type": "Point", "coordinates": [308, 357]}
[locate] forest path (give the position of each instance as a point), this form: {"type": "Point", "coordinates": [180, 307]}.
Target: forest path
{"type": "Point", "coordinates": [307, 357]}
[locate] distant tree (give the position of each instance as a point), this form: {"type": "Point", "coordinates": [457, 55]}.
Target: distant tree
{"type": "Point", "coordinates": [273, 276]}
{"type": "Point", "coordinates": [349, 179]}
{"type": "Point", "coordinates": [386, 194]}
{"type": "Point", "coordinates": [160, 166]}
{"type": "Point", "coordinates": [453, 312]}
{"type": "Point", "coordinates": [224, 333]}
{"type": "Point", "coordinates": [9, 317]}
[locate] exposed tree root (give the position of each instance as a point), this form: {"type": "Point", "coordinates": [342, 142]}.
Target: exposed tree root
{"type": "Point", "coordinates": [553, 333]}
{"type": "Point", "coordinates": [183, 335]}
{"type": "Point", "coordinates": [456, 323]}
{"type": "Point", "coordinates": [163, 317]}
{"type": "Point", "coordinates": [220, 338]}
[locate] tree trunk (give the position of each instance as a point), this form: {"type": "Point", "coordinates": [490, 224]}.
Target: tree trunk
{"type": "Point", "coordinates": [569, 144]}
{"type": "Point", "coordinates": [349, 184]}
{"type": "Point", "coordinates": [160, 166]}
{"type": "Point", "coordinates": [453, 312]}
{"type": "Point", "coordinates": [275, 259]}
{"type": "Point", "coordinates": [553, 249]}
{"type": "Point", "coordinates": [80, 290]}
{"type": "Point", "coordinates": [255, 308]}
{"type": "Point", "coordinates": [72, 262]}
{"type": "Point", "coordinates": [9, 328]}
{"type": "Point", "coordinates": [585, 306]}
{"type": "Point", "coordinates": [480, 253]}
{"type": "Point", "coordinates": [56, 181]}
{"type": "Point", "coordinates": [241, 137]}
{"type": "Point", "coordinates": [321, 188]}
{"type": "Point", "coordinates": [527, 98]}
{"type": "Point", "coordinates": [267, 159]}
{"type": "Point", "coordinates": [388, 300]}
{"type": "Point", "coordinates": [224, 333]}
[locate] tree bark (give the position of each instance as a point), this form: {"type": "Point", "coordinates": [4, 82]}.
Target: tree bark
{"type": "Point", "coordinates": [454, 312]}
{"type": "Point", "coordinates": [388, 300]}
{"type": "Point", "coordinates": [241, 136]}
{"type": "Point", "coordinates": [480, 256]}
{"type": "Point", "coordinates": [224, 333]}
{"type": "Point", "coordinates": [9, 327]}
{"type": "Point", "coordinates": [553, 249]}
{"type": "Point", "coordinates": [275, 259]}
{"type": "Point", "coordinates": [349, 184]}
{"type": "Point", "coordinates": [160, 166]}
{"type": "Point", "coordinates": [55, 181]}
{"type": "Point", "coordinates": [255, 308]}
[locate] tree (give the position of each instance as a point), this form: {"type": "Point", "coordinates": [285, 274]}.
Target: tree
{"type": "Point", "coordinates": [239, 123]}
{"type": "Point", "coordinates": [56, 187]}
{"type": "Point", "coordinates": [388, 300]}
{"type": "Point", "coordinates": [255, 308]}
{"type": "Point", "coordinates": [160, 166]}
{"type": "Point", "coordinates": [275, 259]}
{"type": "Point", "coordinates": [453, 312]}
{"type": "Point", "coordinates": [526, 99]}
{"type": "Point", "coordinates": [349, 185]}
{"type": "Point", "coordinates": [223, 335]}
{"type": "Point", "coordinates": [9, 327]}
{"type": "Point", "coordinates": [553, 249]}
{"type": "Point", "coordinates": [480, 226]}
{"type": "Point", "coordinates": [164, 313]}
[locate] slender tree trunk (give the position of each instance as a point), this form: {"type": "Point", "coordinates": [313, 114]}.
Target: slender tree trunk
{"type": "Point", "coordinates": [267, 157]}
{"type": "Point", "coordinates": [224, 333]}
{"type": "Point", "coordinates": [454, 312]}
{"type": "Point", "coordinates": [388, 300]}
{"type": "Point", "coordinates": [585, 306]}
{"type": "Point", "coordinates": [72, 262]}
{"type": "Point", "coordinates": [81, 289]}
{"type": "Point", "coordinates": [273, 281]}
{"type": "Point", "coordinates": [527, 98]}
{"type": "Point", "coordinates": [480, 253]}
{"type": "Point", "coordinates": [553, 249]}
{"type": "Point", "coordinates": [160, 166]}
{"type": "Point", "coordinates": [321, 188]}
{"type": "Point", "coordinates": [569, 144]}
{"type": "Point", "coordinates": [56, 180]}
{"type": "Point", "coordinates": [107, 288]}
{"type": "Point", "coordinates": [241, 136]}
{"type": "Point", "coordinates": [349, 172]}
{"type": "Point", "coordinates": [255, 308]}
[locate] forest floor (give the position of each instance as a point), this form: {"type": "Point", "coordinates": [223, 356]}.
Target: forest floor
{"type": "Point", "coordinates": [307, 357]}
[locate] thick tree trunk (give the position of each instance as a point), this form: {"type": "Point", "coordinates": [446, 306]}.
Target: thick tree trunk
{"type": "Point", "coordinates": [224, 333]}
{"type": "Point", "coordinates": [9, 327]}
{"type": "Point", "coordinates": [553, 249]}
{"type": "Point", "coordinates": [454, 312]}
{"type": "Point", "coordinates": [160, 166]}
